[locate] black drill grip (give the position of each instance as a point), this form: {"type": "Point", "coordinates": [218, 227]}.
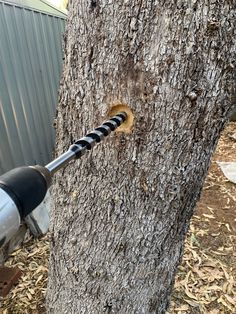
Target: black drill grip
{"type": "Point", "coordinates": [27, 186]}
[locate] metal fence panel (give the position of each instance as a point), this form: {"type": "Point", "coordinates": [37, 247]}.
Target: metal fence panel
{"type": "Point", "coordinates": [30, 67]}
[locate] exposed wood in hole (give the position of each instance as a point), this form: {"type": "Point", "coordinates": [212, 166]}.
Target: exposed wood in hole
{"type": "Point", "coordinates": [127, 126]}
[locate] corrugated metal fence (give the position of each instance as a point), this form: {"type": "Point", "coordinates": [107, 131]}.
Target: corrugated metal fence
{"type": "Point", "coordinates": [30, 67]}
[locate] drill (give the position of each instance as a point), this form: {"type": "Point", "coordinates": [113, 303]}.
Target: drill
{"type": "Point", "coordinates": [22, 189]}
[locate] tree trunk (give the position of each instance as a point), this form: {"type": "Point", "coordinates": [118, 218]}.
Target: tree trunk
{"type": "Point", "coordinates": [123, 210]}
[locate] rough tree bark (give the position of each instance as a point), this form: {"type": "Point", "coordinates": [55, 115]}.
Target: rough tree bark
{"type": "Point", "coordinates": [123, 210]}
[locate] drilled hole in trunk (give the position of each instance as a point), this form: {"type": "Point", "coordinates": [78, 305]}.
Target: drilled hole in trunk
{"type": "Point", "coordinates": [127, 126]}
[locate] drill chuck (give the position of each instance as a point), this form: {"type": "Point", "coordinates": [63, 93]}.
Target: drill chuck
{"type": "Point", "coordinates": [21, 190]}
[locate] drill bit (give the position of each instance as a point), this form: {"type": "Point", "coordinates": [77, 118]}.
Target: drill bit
{"type": "Point", "coordinates": [87, 142]}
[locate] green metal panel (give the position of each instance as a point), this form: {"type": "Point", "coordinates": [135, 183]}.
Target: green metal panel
{"type": "Point", "coordinates": [38, 5]}
{"type": "Point", "coordinates": [30, 67]}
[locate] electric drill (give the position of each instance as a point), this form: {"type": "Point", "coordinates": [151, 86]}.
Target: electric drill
{"type": "Point", "coordinates": [23, 189]}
